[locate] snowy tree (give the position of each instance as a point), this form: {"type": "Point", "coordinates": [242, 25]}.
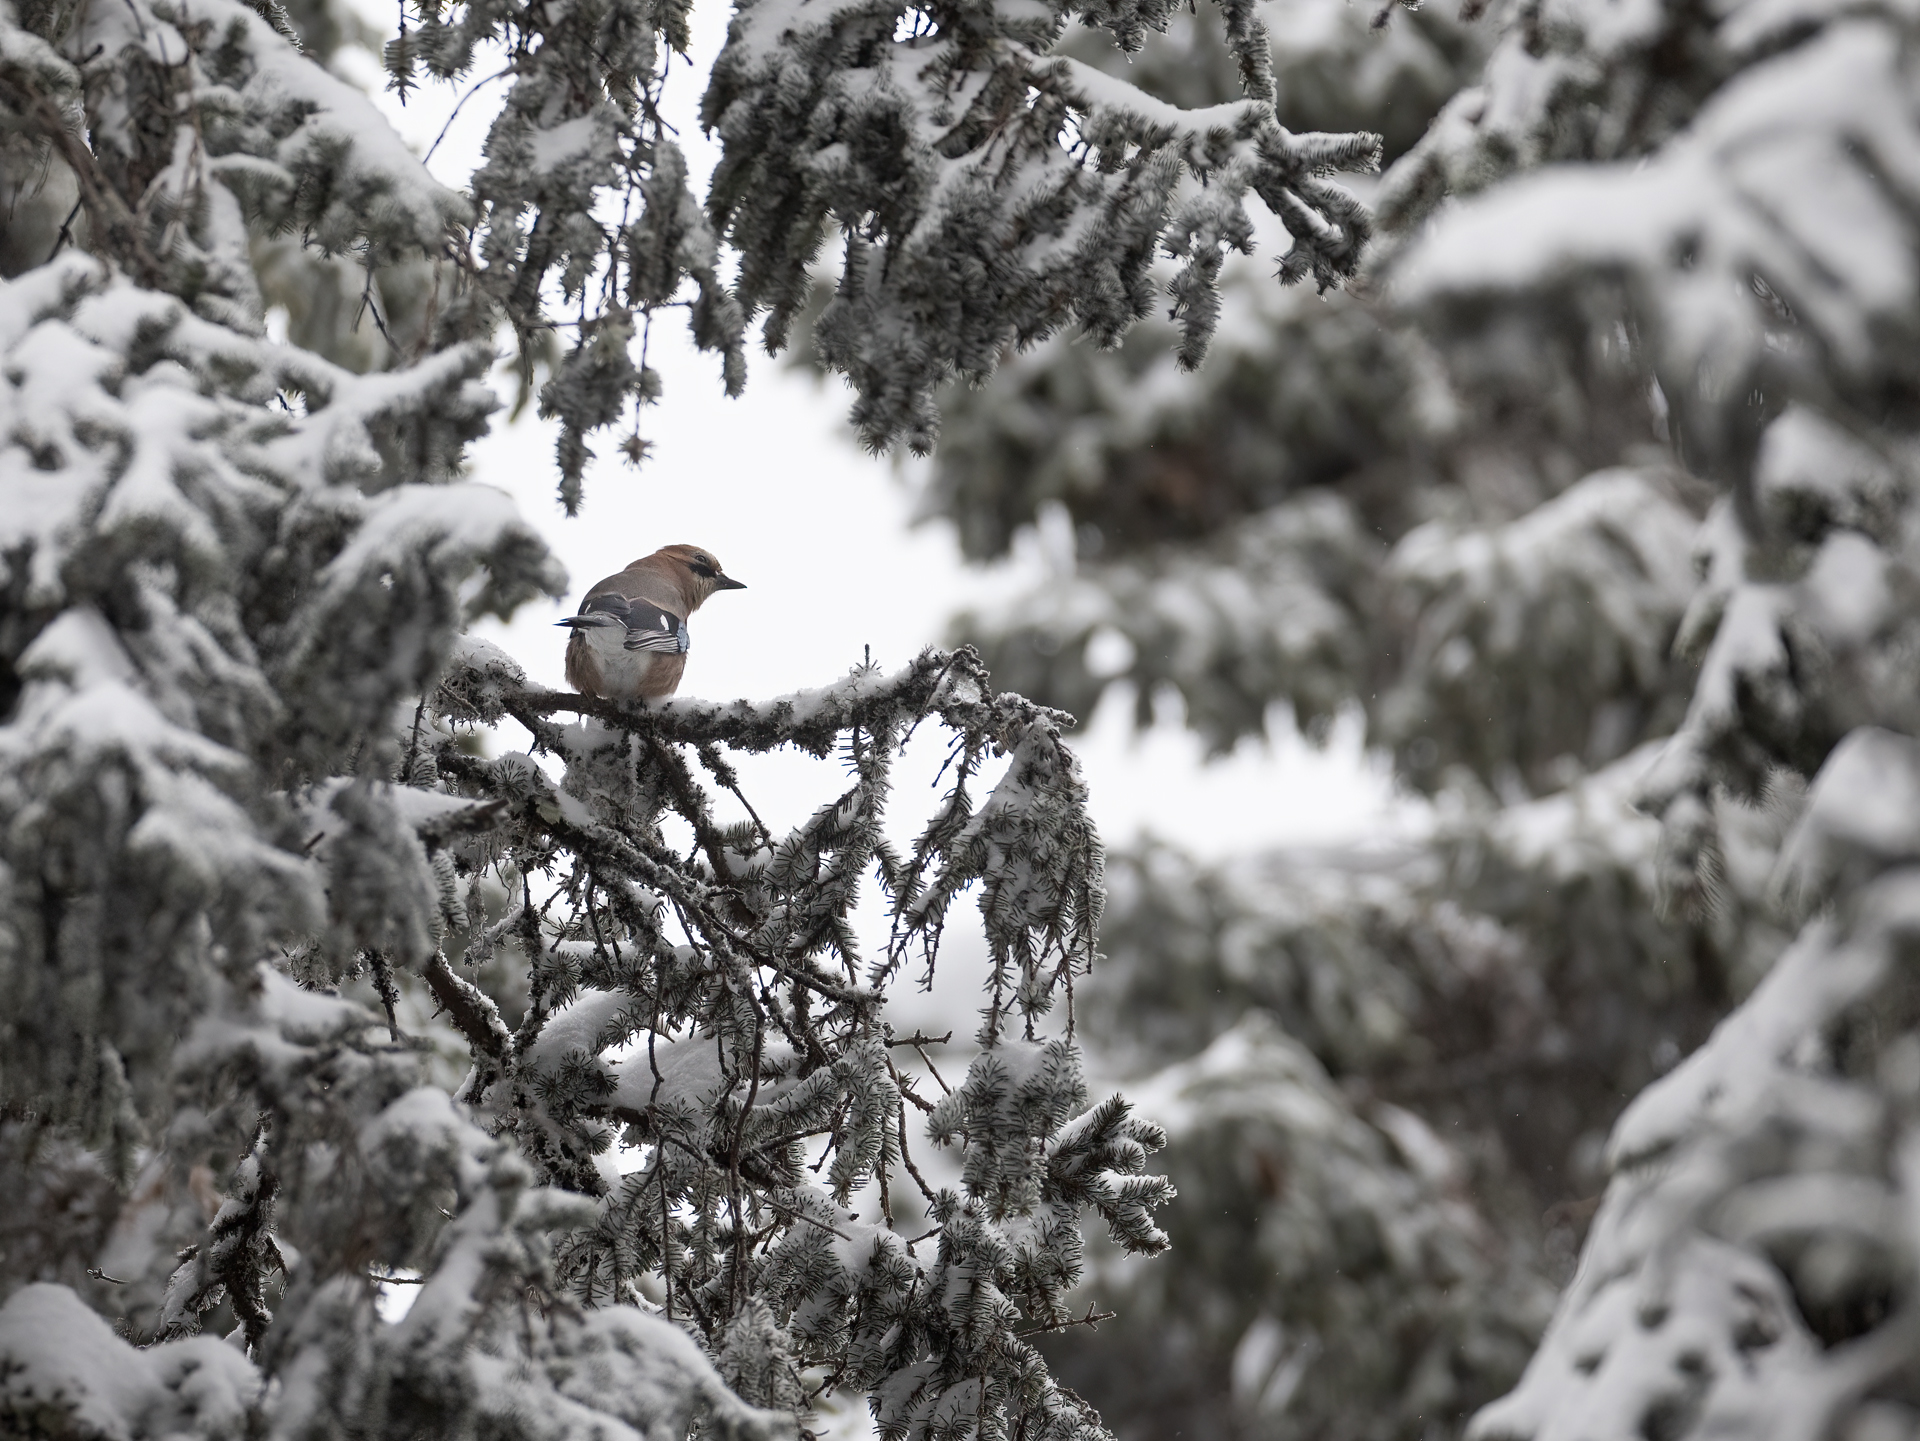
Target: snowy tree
{"type": "Point", "coordinates": [1387, 1165]}
{"type": "Point", "coordinates": [317, 989]}
{"type": "Point", "coordinates": [1591, 500]}
{"type": "Point", "coordinates": [1747, 225]}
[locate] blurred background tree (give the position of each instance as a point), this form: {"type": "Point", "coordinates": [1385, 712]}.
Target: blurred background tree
{"type": "Point", "coordinates": [1496, 498]}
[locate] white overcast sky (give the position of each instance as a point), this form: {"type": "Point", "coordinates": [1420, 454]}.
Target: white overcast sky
{"type": "Point", "coordinates": [819, 532]}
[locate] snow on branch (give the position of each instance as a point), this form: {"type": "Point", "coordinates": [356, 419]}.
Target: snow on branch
{"type": "Point", "coordinates": [373, 1174]}
{"type": "Point", "coordinates": [1746, 234]}
{"type": "Point", "coordinates": [1751, 1269]}
{"type": "Point", "coordinates": [1769, 245]}
{"type": "Point", "coordinates": [990, 192]}
{"type": "Point", "coordinates": [188, 561]}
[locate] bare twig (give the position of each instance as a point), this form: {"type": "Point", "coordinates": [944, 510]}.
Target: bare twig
{"type": "Point", "coordinates": [1093, 1319]}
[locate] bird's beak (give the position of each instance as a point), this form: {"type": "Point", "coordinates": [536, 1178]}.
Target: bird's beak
{"type": "Point", "coordinates": [727, 582]}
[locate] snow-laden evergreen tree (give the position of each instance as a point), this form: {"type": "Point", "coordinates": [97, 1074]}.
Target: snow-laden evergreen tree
{"type": "Point", "coordinates": [316, 993]}
{"type": "Point", "coordinates": [1744, 221]}
{"type": "Point", "coordinates": [1591, 499]}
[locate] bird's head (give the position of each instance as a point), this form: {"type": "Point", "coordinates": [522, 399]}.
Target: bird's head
{"type": "Point", "coordinates": [698, 573]}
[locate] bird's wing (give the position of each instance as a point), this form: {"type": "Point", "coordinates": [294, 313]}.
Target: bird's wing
{"type": "Point", "coordinates": [651, 627]}
{"type": "Point", "coordinates": [608, 602]}
{"type": "Point", "coordinates": [609, 608]}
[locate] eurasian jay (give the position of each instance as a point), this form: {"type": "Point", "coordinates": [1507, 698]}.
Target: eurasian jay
{"type": "Point", "coordinates": [630, 638]}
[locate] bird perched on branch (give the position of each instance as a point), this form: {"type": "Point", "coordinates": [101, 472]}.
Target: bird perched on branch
{"type": "Point", "coordinates": [630, 638]}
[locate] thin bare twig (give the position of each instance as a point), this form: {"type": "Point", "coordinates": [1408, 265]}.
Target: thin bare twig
{"type": "Point", "coordinates": [1093, 1318]}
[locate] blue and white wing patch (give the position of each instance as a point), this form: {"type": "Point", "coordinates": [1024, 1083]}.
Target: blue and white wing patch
{"type": "Point", "coordinates": [651, 628]}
